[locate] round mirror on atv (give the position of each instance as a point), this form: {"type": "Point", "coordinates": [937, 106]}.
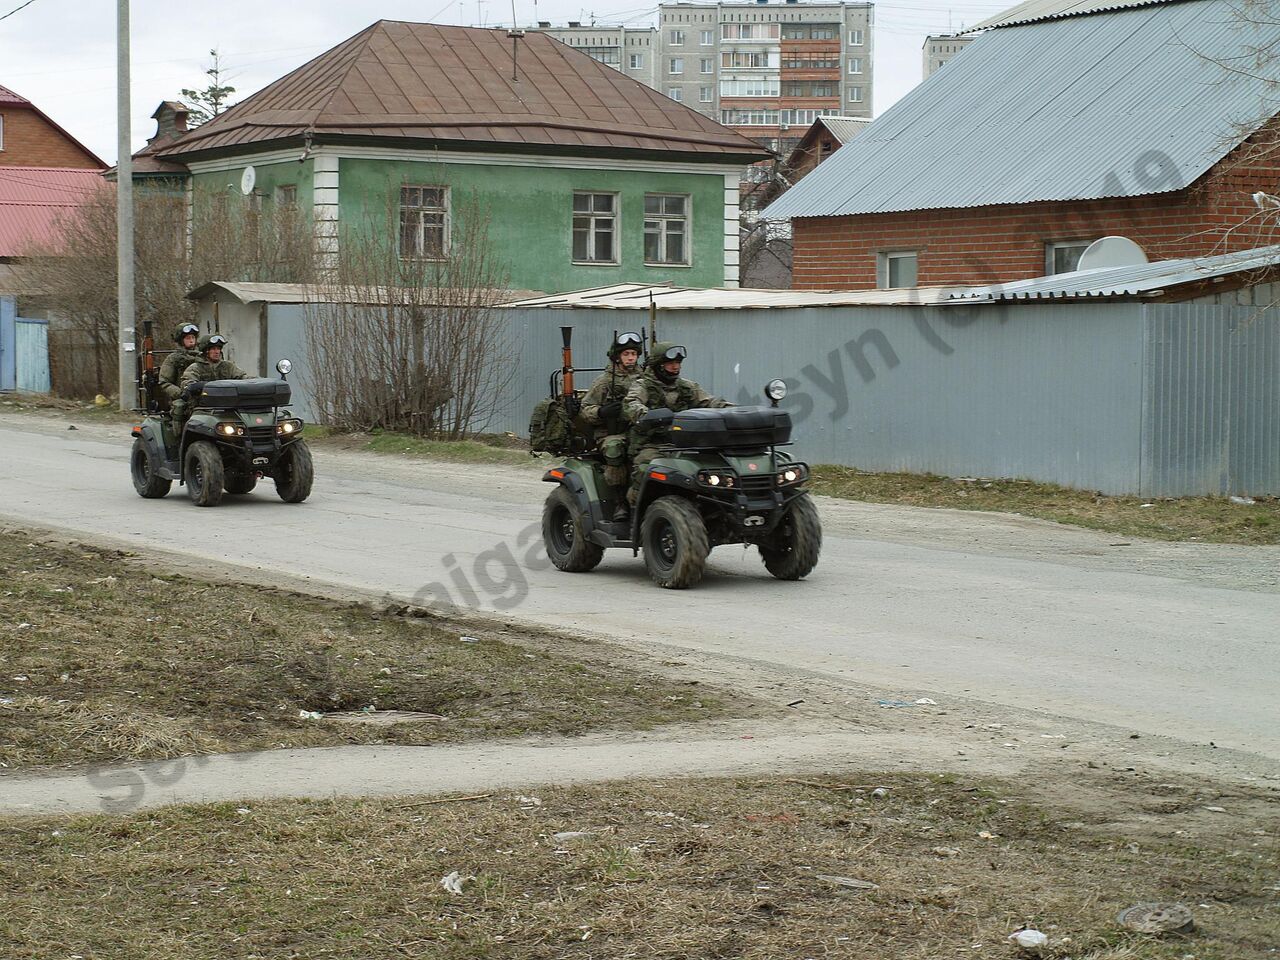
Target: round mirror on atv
{"type": "Point", "coordinates": [284, 366]}
{"type": "Point", "coordinates": [776, 390]}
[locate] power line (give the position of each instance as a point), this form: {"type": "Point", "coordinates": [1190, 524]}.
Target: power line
{"type": "Point", "coordinates": [16, 9]}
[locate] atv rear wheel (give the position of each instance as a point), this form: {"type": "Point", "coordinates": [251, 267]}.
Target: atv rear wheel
{"type": "Point", "coordinates": [564, 534]}
{"type": "Point", "coordinates": [674, 538]}
{"type": "Point", "coordinates": [143, 465]}
{"type": "Point", "coordinates": [294, 472]}
{"type": "Point", "coordinates": [792, 552]}
{"type": "Point", "coordinates": [203, 473]}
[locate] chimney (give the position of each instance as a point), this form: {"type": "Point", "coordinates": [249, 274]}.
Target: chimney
{"type": "Point", "coordinates": [544, 24]}
{"type": "Point", "coordinates": [575, 23]}
{"type": "Point", "coordinates": [171, 121]}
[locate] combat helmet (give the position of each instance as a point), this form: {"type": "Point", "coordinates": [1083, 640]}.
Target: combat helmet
{"type": "Point", "coordinates": [210, 340]}
{"type": "Point", "coordinates": [182, 329]}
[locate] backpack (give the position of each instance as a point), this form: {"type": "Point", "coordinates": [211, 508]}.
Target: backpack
{"type": "Point", "coordinates": [551, 427]}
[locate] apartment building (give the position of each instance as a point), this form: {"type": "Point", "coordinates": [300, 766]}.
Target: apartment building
{"type": "Point", "coordinates": [765, 69]}
{"type": "Point", "coordinates": [939, 50]}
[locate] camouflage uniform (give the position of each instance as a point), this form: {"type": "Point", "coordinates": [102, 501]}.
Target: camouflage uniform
{"type": "Point", "coordinates": [647, 393]}
{"type": "Point", "coordinates": [201, 371]}
{"type": "Point", "coordinates": [611, 438]}
{"type": "Point", "coordinates": [175, 364]}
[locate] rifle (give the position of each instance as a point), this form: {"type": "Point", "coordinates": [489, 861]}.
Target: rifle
{"type": "Point", "coordinates": [150, 378]}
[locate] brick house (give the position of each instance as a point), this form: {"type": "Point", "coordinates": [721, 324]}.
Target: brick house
{"type": "Point", "coordinates": [1057, 127]}
{"type": "Point", "coordinates": [29, 138]}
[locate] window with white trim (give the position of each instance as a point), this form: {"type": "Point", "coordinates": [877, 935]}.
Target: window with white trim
{"type": "Point", "coordinates": [637, 61]}
{"type": "Point", "coordinates": [855, 94]}
{"type": "Point", "coordinates": [666, 228]}
{"type": "Point", "coordinates": [707, 65]}
{"type": "Point", "coordinates": [595, 227]}
{"type": "Point", "coordinates": [675, 65]}
{"type": "Point", "coordinates": [1063, 256]}
{"type": "Point", "coordinates": [855, 38]}
{"type": "Point", "coordinates": [896, 269]}
{"type": "Point", "coordinates": [424, 222]}
{"type": "Point", "coordinates": [676, 94]}
{"type": "Point", "coordinates": [707, 38]}
{"type": "Point", "coordinates": [705, 94]}
{"type": "Point", "coordinates": [855, 64]}
{"type": "Point", "coordinates": [1, 131]}
{"type": "Point", "coordinates": [677, 38]}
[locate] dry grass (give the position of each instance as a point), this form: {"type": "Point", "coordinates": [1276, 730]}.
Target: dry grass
{"type": "Point", "coordinates": [1209, 519]}
{"type": "Point", "coordinates": [100, 660]}
{"type": "Point", "coordinates": [671, 870]}
{"type": "Point", "coordinates": [498, 448]}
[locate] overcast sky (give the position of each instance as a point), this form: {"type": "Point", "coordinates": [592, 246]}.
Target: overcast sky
{"type": "Point", "coordinates": [60, 54]}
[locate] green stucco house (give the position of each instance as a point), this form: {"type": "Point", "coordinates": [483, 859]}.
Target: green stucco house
{"type": "Point", "coordinates": [585, 177]}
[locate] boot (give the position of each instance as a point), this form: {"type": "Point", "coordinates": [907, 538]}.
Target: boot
{"type": "Point", "coordinates": [621, 510]}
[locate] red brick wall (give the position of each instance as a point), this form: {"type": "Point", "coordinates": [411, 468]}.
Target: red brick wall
{"type": "Point", "coordinates": [32, 141]}
{"type": "Point", "coordinates": [999, 243]}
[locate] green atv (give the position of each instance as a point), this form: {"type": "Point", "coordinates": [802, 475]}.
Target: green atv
{"type": "Point", "coordinates": [237, 434]}
{"type": "Point", "coordinates": [720, 478]}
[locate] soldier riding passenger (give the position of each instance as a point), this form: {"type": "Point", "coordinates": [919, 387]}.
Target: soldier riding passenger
{"type": "Point", "coordinates": [176, 363]}
{"type": "Point", "coordinates": [602, 408]}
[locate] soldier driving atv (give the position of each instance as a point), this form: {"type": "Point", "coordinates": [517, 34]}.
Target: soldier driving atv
{"type": "Point", "coordinates": [209, 366]}
{"type": "Point", "coordinates": [659, 387]}
{"type": "Point", "coordinates": [602, 408]}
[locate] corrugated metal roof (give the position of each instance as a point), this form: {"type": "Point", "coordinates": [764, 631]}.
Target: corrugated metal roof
{"type": "Point", "coordinates": [844, 129]}
{"type": "Point", "coordinates": [10, 99]}
{"type": "Point", "coordinates": [33, 198]}
{"type": "Point", "coordinates": [1033, 10]}
{"type": "Point", "coordinates": [635, 296]}
{"type": "Point", "coordinates": [1138, 280]}
{"type": "Point", "coordinates": [420, 81]}
{"type": "Point", "coordinates": [314, 293]}
{"type": "Point", "coordinates": [1127, 103]}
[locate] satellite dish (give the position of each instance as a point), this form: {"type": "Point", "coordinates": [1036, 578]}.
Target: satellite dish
{"type": "Point", "coordinates": [250, 177]}
{"type": "Point", "coordinates": [1112, 252]}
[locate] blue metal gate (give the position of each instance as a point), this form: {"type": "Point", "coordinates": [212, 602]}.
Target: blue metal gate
{"type": "Point", "coordinates": [31, 340]}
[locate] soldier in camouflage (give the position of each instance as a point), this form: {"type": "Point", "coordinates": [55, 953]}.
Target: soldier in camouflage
{"type": "Point", "coordinates": [602, 408]}
{"type": "Point", "coordinates": [176, 363]}
{"type": "Point", "coordinates": [659, 386]}
{"type": "Point", "coordinates": [210, 366]}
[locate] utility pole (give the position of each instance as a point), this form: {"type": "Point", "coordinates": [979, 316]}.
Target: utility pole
{"type": "Point", "coordinates": [127, 350]}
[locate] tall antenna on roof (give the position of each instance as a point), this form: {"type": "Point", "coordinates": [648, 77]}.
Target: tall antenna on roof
{"type": "Point", "coordinates": [515, 33]}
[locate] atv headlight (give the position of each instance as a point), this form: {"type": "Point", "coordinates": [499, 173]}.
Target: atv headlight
{"type": "Point", "coordinates": [717, 479]}
{"type": "Point", "coordinates": [229, 430]}
{"type": "Point", "coordinates": [289, 427]}
{"type": "Point", "coordinates": [792, 473]}
{"type": "Point", "coordinates": [283, 367]}
{"type": "Point", "coordinates": [776, 390]}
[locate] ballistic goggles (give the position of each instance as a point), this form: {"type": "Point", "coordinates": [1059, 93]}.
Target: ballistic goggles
{"type": "Point", "coordinates": [217, 341]}
{"type": "Point", "coordinates": [629, 341]}
{"type": "Point", "coordinates": [675, 353]}
{"type": "Point", "coordinates": [188, 328]}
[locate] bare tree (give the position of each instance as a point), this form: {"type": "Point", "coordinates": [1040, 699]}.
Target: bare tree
{"type": "Point", "coordinates": [176, 249]}
{"type": "Point", "coordinates": [412, 343]}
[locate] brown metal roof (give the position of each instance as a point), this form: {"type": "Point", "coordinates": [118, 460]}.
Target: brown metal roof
{"type": "Point", "coordinates": [422, 82]}
{"type": "Point", "coordinates": [9, 98]}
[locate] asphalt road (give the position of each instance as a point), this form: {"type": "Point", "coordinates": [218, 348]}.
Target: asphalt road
{"type": "Point", "coordinates": [1181, 640]}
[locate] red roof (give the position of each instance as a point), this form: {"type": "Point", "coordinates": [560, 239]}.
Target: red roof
{"type": "Point", "coordinates": [10, 99]}
{"type": "Point", "coordinates": [33, 198]}
{"type": "Point", "coordinates": [398, 81]}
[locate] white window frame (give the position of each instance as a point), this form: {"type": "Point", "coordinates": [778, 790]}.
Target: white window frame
{"type": "Point", "coordinates": [707, 38]}
{"type": "Point", "coordinates": [706, 65]}
{"type": "Point", "coordinates": [885, 266]}
{"type": "Point", "coordinates": [676, 38]}
{"type": "Point", "coordinates": [423, 212]}
{"type": "Point", "coordinates": [855, 38]}
{"type": "Point", "coordinates": [1051, 249]}
{"type": "Point", "coordinates": [661, 222]}
{"type": "Point", "coordinates": [855, 65]}
{"type": "Point", "coordinates": [1, 131]}
{"type": "Point", "coordinates": [706, 94]}
{"type": "Point", "coordinates": [676, 94]}
{"type": "Point", "coordinates": [595, 220]}
{"type": "Point", "coordinates": [636, 61]}
{"type": "Point", "coordinates": [285, 195]}
{"type": "Point", "coordinates": [855, 94]}
{"type": "Point", "coordinates": [675, 66]}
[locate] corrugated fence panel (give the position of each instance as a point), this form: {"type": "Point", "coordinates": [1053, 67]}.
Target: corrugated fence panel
{"type": "Point", "coordinates": [1212, 417]}
{"type": "Point", "coordinates": [1043, 392]}
{"type": "Point", "coordinates": [32, 354]}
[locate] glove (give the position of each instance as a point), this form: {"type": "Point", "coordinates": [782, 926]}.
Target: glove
{"type": "Point", "coordinates": [572, 405]}
{"type": "Point", "coordinates": [611, 410]}
{"type": "Point", "coordinates": [192, 389]}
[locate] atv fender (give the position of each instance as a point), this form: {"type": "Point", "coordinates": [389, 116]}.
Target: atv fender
{"type": "Point", "coordinates": [591, 513]}
{"type": "Point", "coordinates": [150, 434]}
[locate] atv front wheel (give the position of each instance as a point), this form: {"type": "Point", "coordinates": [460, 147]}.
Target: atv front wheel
{"type": "Point", "coordinates": [792, 552]}
{"type": "Point", "coordinates": [204, 474]}
{"type": "Point", "coordinates": [143, 465]}
{"type": "Point", "coordinates": [294, 472]}
{"type": "Point", "coordinates": [674, 538]}
{"type": "Point", "coordinates": [564, 534]}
